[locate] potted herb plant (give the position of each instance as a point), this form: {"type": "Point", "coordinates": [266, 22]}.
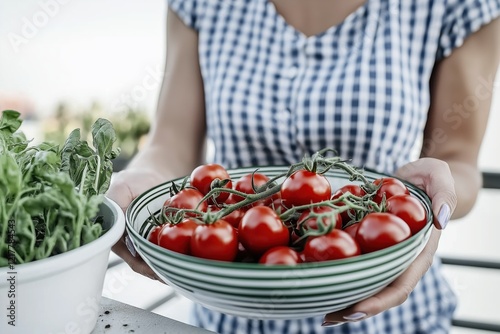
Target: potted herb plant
{"type": "Point", "coordinates": [56, 228]}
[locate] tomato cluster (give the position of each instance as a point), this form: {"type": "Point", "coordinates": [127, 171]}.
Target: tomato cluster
{"type": "Point", "coordinates": [255, 219]}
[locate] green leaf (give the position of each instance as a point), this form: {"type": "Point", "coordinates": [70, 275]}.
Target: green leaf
{"type": "Point", "coordinates": [48, 146]}
{"type": "Point", "coordinates": [83, 149]}
{"type": "Point", "coordinates": [48, 160]}
{"type": "Point", "coordinates": [92, 205]}
{"type": "Point", "coordinates": [104, 182]}
{"type": "Point", "coordinates": [18, 142]}
{"type": "Point", "coordinates": [91, 233]}
{"type": "Point", "coordinates": [25, 235]}
{"type": "Point", "coordinates": [104, 137]}
{"type": "Point", "coordinates": [68, 150]}
{"type": "Point", "coordinates": [88, 177]}
{"type": "Point", "coordinates": [10, 176]}
{"type": "Point", "coordinates": [9, 122]}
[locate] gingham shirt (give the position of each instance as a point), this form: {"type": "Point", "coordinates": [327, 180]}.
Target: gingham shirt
{"type": "Point", "coordinates": [361, 87]}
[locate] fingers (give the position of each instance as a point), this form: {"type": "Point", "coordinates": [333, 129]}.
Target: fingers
{"type": "Point", "coordinates": [128, 184]}
{"type": "Point", "coordinates": [119, 191]}
{"type": "Point", "coordinates": [125, 186]}
{"type": "Point", "coordinates": [394, 294]}
{"type": "Point", "coordinates": [435, 178]}
{"type": "Point", "coordinates": [135, 262]}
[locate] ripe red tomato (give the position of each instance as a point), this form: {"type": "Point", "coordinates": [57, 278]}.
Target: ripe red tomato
{"type": "Point", "coordinates": [354, 189]}
{"type": "Point", "coordinates": [233, 218]}
{"type": "Point", "coordinates": [332, 246]}
{"type": "Point", "coordinates": [280, 255]}
{"type": "Point", "coordinates": [409, 209]}
{"type": "Point", "coordinates": [202, 177]}
{"type": "Point", "coordinates": [305, 187]}
{"type": "Point", "coordinates": [312, 223]}
{"type": "Point", "coordinates": [187, 198]}
{"type": "Point", "coordinates": [381, 230]}
{"type": "Point", "coordinates": [261, 229]}
{"type": "Point", "coordinates": [216, 241]}
{"type": "Point", "coordinates": [154, 233]}
{"type": "Point", "coordinates": [352, 230]}
{"type": "Point", "coordinates": [178, 237]}
{"type": "Point", "coordinates": [390, 187]}
{"type": "Point", "coordinates": [244, 185]}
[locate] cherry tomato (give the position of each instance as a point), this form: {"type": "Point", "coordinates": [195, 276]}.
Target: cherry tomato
{"type": "Point", "coordinates": [354, 189]}
{"type": "Point", "coordinates": [390, 187]}
{"type": "Point", "coordinates": [216, 241]}
{"type": "Point", "coordinates": [305, 187]}
{"type": "Point", "coordinates": [381, 230]}
{"type": "Point", "coordinates": [312, 223]}
{"type": "Point", "coordinates": [187, 198]}
{"type": "Point", "coordinates": [261, 229]}
{"type": "Point", "coordinates": [409, 209]}
{"type": "Point", "coordinates": [154, 233]}
{"type": "Point", "coordinates": [332, 246]}
{"type": "Point", "coordinates": [280, 255]}
{"type": "Point", "coordinates": [244, 185]}
{"type": "Point", "coordinates": [203, 176]}
{"type": "Point", "coordinates": [178, 237]}
{"type": "Point", "coordinates": [352, 230]}
{"type": "Point", "coordinates": [233, 218]}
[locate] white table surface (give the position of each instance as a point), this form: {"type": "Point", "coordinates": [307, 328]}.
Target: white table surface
{"type": "Point", "coordinates": [119, 318]}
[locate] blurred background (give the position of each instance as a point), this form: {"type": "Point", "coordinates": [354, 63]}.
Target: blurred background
{"type": "Point", "coordinates": [63, 63]}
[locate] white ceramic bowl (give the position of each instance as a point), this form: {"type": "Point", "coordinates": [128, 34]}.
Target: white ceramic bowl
{"type": "Point", "coordinates": [61, 294]}
{"type": "Point", "coordinates": [273, 292]}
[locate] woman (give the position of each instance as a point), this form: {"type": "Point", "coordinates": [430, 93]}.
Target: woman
{"type": "Point", "coordinates": [269, 81]}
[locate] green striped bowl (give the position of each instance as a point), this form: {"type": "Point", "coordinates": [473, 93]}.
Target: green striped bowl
{"type": "Point", "coordinates": [273, 292]}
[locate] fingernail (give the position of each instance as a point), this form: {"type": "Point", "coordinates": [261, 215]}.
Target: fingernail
{"type": "Point", "coordinates": [355, 316]}
{"type": "Point", "coordinates": [331, 323]}
{"type": "Point", "coordinates": [444, 216]}
{"type": "Point", "coordinates": [130, 246]}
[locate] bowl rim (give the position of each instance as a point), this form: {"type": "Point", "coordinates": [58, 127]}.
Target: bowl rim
{"type": "Point", "coordinates": [162, 189]}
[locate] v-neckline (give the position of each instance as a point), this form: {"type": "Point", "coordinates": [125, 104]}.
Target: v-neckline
{"type": "Point", "coordinates": [274, 11]}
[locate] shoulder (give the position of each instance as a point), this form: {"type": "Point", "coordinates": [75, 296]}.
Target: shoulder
{"type": "Point", "coordinates": [462, 18]}
{"type": "Point", "coordinates": [195, 12]}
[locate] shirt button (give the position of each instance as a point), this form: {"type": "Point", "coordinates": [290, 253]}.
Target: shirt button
{"type": "Point", "coordinates": [284, 114]}
{"type": "Point", "coordinates": [292, 72]}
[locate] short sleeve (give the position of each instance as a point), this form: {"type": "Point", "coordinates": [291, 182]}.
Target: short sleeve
{"type": "Point", "coordinates": [462, 18]}
{"type": "Point", "coordinates": [188, 11]}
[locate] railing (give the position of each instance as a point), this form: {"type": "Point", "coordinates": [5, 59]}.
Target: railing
{"type": "Point", "coordinates": [490, 181]}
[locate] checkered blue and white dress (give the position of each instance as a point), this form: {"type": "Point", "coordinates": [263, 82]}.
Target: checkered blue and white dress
{"type": "Point", "coordinates": [361, 87]}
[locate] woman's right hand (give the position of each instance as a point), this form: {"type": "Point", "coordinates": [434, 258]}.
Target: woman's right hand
{"type": "Point", "coordinates": [125, 186]}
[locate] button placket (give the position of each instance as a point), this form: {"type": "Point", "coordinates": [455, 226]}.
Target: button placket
{"type": "Point", "coordinates": [291, 77]}
{"type": "Point", "coordinates": [292, 71]}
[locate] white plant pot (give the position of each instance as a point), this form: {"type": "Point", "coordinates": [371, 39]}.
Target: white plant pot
{"type": "Point", "coordinates": [60, 294]}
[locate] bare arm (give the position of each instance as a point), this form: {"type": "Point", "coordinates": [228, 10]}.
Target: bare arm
{"type": "Point", "coordinates": [461, 93]}
{"type": "Point", "coordinates": [176, 140]}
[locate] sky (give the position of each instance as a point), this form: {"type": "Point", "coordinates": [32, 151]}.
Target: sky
{"type": "Point", "coordinates": [82, 51]}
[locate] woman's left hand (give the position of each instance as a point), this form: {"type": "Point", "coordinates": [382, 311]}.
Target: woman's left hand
{"type": "Point", "coordinates": [434, 177]}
